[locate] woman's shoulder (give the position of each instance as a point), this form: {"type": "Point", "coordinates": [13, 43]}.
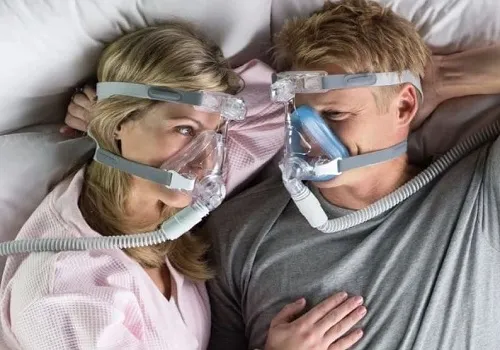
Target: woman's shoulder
{"type": "Point", "coordinates": [57, 273]}
{"type": "Point", "coordinates": [59, 216]}
{"type": "Point", "coordinates": [66, 278]}
{"type": "Point", "coordinates": [87, 290]}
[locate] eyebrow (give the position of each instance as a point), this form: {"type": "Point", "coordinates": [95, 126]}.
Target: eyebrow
{"type": "Point", "coordinates": [200, 126]}
{"type": "Point", "coordinates": [333, 106]}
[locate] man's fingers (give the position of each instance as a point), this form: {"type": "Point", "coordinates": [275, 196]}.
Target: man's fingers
{"type": "Point", "coordinates": [289, 312]}
{"type": "Point", "coordinates": [320, 310]}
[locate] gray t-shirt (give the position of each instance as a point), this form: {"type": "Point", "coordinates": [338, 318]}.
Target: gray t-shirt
{"type": "Point", "coordinates": [429, 269]}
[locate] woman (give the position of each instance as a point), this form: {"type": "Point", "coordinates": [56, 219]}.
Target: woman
{"type": "Point", "coordinates": [151, 297]}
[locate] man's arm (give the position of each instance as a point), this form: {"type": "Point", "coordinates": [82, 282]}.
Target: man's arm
{"type": "Point", "coordinates": [471, 72]}
{"type": "Point", "coordinates": [227, 257]}
{"type": "Point", "coordinates": [228, 329]}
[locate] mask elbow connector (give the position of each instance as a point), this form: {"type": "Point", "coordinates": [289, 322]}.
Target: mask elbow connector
{"type": "Point", "coordinates": [183, 221]}
{"type": "Point", "coordinates": [308, 205]}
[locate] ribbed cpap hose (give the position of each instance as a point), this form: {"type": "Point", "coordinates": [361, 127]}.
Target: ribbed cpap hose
{"type": "Point", "coordinates": [310, 207]}
{"type": "Point", "coordinates": [171, 229]}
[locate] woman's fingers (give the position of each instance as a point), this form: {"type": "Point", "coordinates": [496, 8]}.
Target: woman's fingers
{"type": "Point", "coordinates": [77, 110]}
{"type": "Point", "coordinates": [77, 116]}
{"type": "Point", "coordinates": [81, 100]}
{"type": "Point", "coordinates": [90, 93]}
{"type": "Point", "coordinates": [324, 327]}
{"type": "Point", "coordinates": [70, 132]}
{"type": "Point", "coordinates": [323, 308]}
{"type": "Point", "coordinates": [74, 122]}
{"type": "Point", "coordinates": [337, 314]}
{"type": "Point", "coordinates": [345, 324]}
{"type": "Point", "coordinates": [347, 341]}
{"type": "Point", "coordinates": [288, 313]}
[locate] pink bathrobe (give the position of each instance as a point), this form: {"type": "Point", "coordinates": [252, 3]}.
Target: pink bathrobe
{"type": "Point", "coordinates": [104, 299]}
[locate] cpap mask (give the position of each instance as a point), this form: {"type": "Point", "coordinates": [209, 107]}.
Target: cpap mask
{"type": "Point", "coordinates": [195, 170]}
{"type": "Point", "coordinates": [229, 106]}
{"type": "Point", "coordinates": [308, 133]}
{"type": "Point", "coordinates": [313, 152]}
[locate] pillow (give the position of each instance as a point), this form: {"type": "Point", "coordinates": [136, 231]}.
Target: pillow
{"type": "Point", "coordinates": [50, 46]}
{"type": "Point", "coordinates": [446, 26]}
{"type": "Point", "coordinates": [31, 161]}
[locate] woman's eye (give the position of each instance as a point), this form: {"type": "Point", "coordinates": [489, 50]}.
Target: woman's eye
{"type": "Point", "coordinates": [185, 130]}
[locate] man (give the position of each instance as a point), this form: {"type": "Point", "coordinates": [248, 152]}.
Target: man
{"type": "Point", "coordinates": [429, 268]}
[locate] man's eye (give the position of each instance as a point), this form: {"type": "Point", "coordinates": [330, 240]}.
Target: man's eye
{"type": "Point", "coordinates": [185, 130]}
{"type": "Point", "coordinates": [332, 115]}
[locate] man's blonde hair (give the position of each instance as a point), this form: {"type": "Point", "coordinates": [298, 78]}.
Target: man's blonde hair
{"type": "Point", "coordinates": [358, 35]}
{"type": "Point", "coordinates": [174, 55]}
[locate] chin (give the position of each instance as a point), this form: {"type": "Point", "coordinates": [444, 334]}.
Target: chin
{"type": "Point", "coordinates": [335, 182]}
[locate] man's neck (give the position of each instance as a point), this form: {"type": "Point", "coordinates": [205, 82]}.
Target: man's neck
{"type": "Point", "coordinates": [378, 181]}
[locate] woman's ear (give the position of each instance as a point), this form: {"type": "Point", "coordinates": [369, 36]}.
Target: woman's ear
{"type": "Point", "coordinates": [407, 104]}
{"type": "Point", "coordinates": [118, 132]}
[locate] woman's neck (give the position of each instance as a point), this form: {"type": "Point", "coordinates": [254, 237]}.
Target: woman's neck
{"type": "Point", "coordinates": [162, 278]}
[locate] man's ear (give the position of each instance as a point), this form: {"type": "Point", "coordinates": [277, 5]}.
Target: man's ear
{"type": "Point", "coordinates": [408, 104]}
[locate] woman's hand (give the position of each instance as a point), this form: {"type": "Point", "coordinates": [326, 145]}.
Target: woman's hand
{"type": "Point", "coordinates": [322, 328]}
{"type": "Point", "coordinates": [78, 114]}
{"type": "Point", "coordinates": [431, 86]}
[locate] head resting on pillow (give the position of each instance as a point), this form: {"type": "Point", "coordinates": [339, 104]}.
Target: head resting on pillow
{"type": "Point", "coordinates": [173, 55]}
{"type": "Point", "coordinates": [349, 37]}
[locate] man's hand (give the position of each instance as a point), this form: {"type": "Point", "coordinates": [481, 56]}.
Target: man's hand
{"type": "Point", "coordinates": [322, 328]}
{"type": "Point", "coordinates": [470, 72]}
{"type": "Point", "coordinates": [78, 114]}
{"type": "Point", "coordinates": [431, 85]}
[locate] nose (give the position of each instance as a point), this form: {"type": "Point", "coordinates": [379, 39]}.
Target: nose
{"type": "Point", "coordinates": [197, 170]}
{"type": "Point", "coordinates": [311, 148]}
{"type": "Point", "coordinates": [200, 166]}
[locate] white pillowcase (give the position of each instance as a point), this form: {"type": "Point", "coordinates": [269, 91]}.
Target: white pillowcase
{"type": "Point", "coordinates": [49, 46]}
{"type": "Point", "coordinates": [447, 26]}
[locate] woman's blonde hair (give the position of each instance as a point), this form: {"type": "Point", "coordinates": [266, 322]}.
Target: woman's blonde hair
{"type": "Point", "coordinates": [174, 55]}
